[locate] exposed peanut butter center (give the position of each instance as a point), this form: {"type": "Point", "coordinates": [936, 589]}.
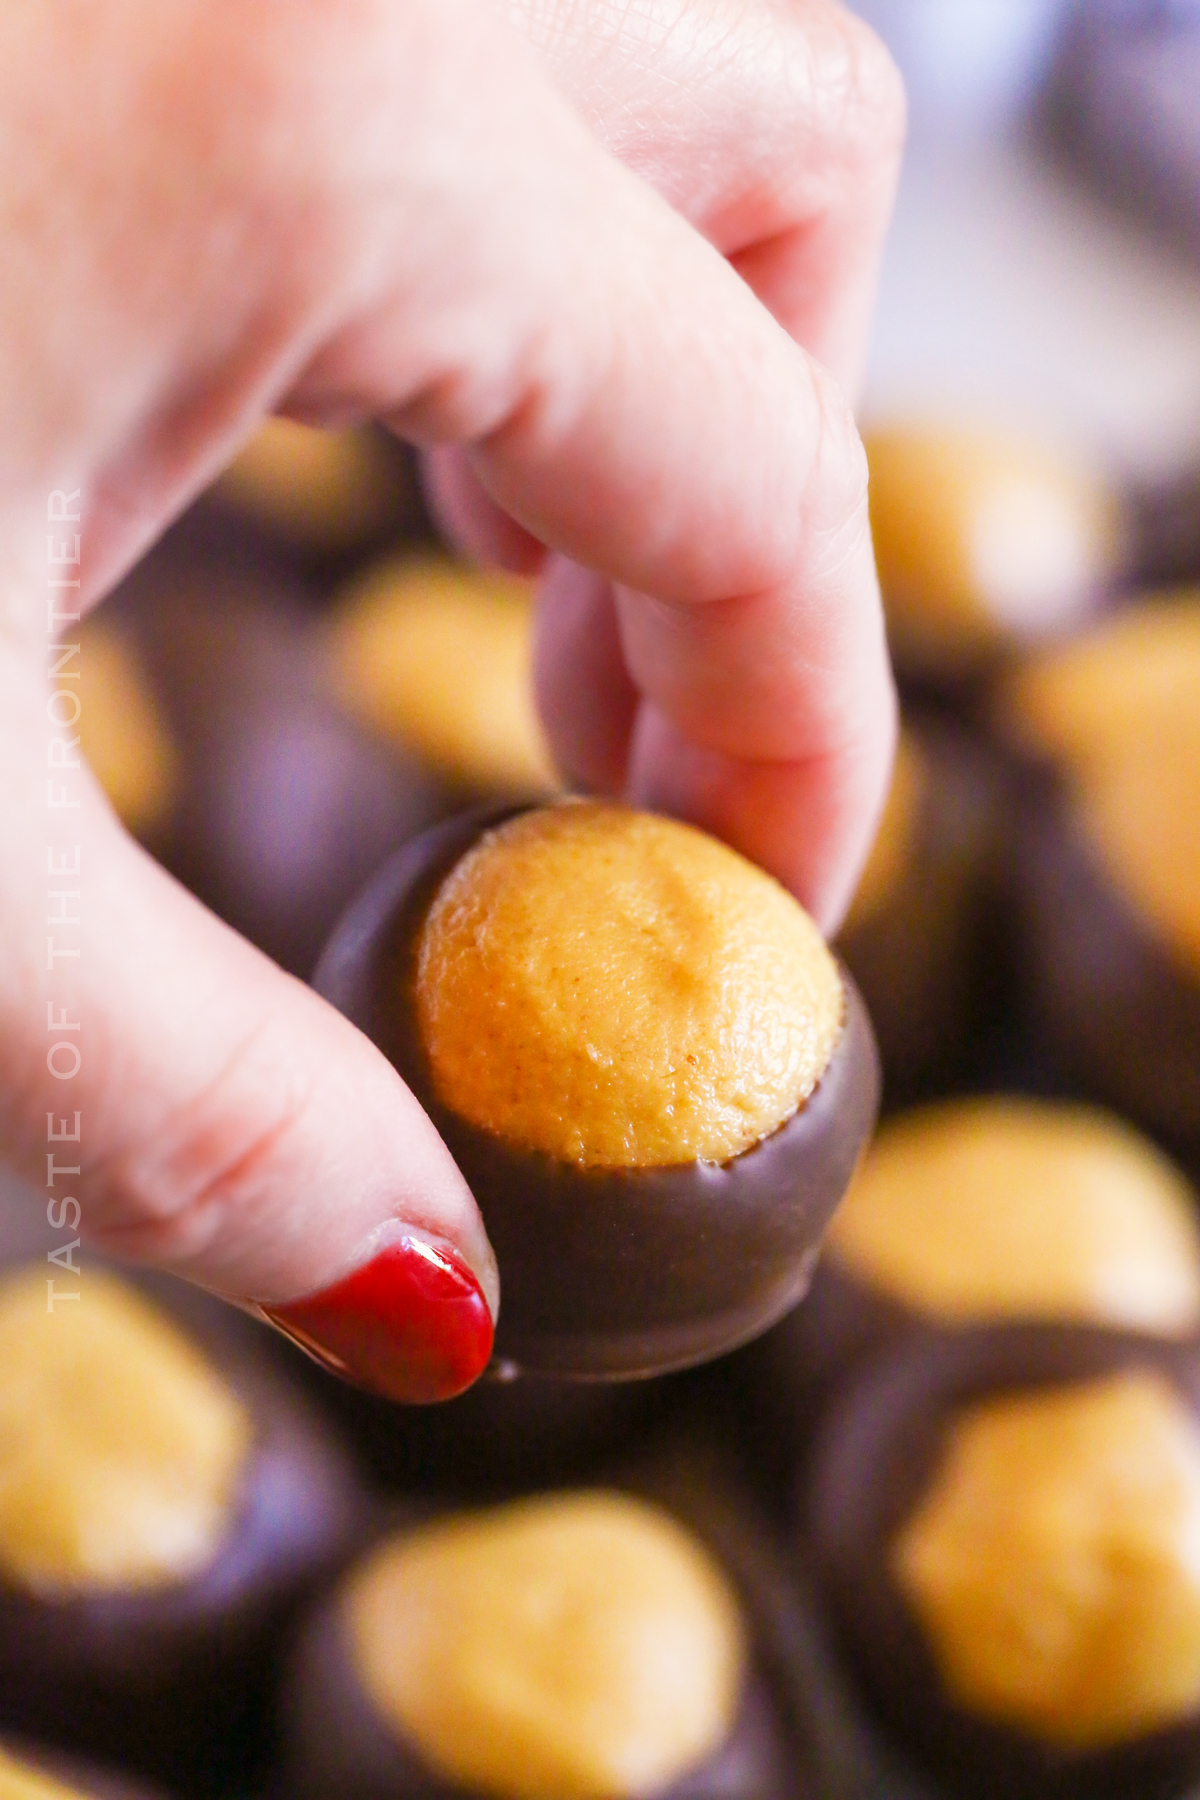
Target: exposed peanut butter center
{"type": "Point", "coordinates": [122, 731]}
{"type": "Point", "coordinates": [121, 1450]}
{"type": "Point", "coordinates": [620, 990]}
{"type": "Point", "coordinates": [21, 1781]}
{"type": "Point", "coordinates": [1053, 1562]}
{"type": "Point", "coordinates": [1120, 711]}
{"type": "Point", "coordinates": [325, 489]}
{"type": "Point", "coordinates": [574, 1647]}
{"type": "Point", "coordinates": [439, 657]}
{"type": "Point", "coordinates": [895, 842]}
{"type": "Point", "coordinates": [980, 541]}
{"type": "Point", "coordinates": [991, 1209]}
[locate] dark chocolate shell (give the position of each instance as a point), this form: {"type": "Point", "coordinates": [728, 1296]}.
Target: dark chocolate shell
{"type": "Point", "coordinates": [872, 1462]}
{"type": "Point", "coordinates": [608, 1274]}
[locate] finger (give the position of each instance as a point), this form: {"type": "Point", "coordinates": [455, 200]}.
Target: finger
{"type": "Point", "coordinates": [585, 694]}
{"type": "Point", "coordinates": [609, 741]}
{"type": "Point", "coordinates": [469, 517]}
{"type": "Point", "coordinates": [618, 390]}
{"type": "Point", "coordinates": [770, 718]}
{"type": "Point", "coordinates": [775, 128]}
{"type": "Point", "coordinates": [232, 1128]}
{"type": "Point", "coordinates": [638, 410]}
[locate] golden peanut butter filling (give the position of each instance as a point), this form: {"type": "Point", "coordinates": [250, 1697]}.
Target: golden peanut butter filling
{"type": "Point", "coordinates": [21, 1781]}
{"type": "Point", "coordinates": [619, 990]}
{"type": "Point", "coordinates": [981, 541]}
{"type": "Point", "coordinates": [578, 1646]}
{"type": "Point", "coordinates": [121, 1449]}
{"type": "Point", "coordinates": [1054, 1561]}
{"type": "Point", "coordinates": [325, 489]}
{"type": "Point", "coordinates": [1120, 712]}
{"type": "Point", "coordinates": [439, 657]}
{"type": "Point", "coordinates": [989, 1209]}
{"type": "Point", "coordinates": [895, 843]}
{"type": "Point", "coordinates": [122, 731]}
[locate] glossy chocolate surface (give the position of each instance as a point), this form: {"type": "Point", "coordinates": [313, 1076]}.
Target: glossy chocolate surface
{"type": "Point", "coordinates": [612, 1273]}
{"type": "Point", "coordinates": [173, 1681]}
{"type": "Point", "coordinates": [872, 1463]}
{"type": "Point", "coordinates": [1120, 1010]}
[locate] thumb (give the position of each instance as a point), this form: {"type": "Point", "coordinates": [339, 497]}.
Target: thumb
{"type": "Point", "coordinates": [213, 1117]}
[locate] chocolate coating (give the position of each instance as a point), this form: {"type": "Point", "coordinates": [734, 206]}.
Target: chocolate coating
{"type": "Point", "coordinates": [173, 1680]}
{"type": "Point", "coordinates": [611, 1273]}
{"type": "Point", "coordinates": [872, 1463]}
{"type": "Point", "coordinates": [1119, 1008]}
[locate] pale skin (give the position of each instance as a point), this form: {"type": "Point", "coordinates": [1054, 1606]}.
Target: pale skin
{"type": "Point", "coordinates": [612, 265]}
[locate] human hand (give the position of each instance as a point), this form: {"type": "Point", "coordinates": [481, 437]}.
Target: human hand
{"type": "Point", "coordinates": [353, 208]}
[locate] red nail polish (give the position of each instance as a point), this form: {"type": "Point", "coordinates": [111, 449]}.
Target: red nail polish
{"type": "Point", "coordinates": [412, 1324]}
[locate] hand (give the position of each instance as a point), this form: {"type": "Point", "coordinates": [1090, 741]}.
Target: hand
{"type": "Point", "coordinates": [355, 207]}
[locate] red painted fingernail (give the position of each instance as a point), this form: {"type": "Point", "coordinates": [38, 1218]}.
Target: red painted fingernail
{"type": "Point", "coordinates": [412, 1324]}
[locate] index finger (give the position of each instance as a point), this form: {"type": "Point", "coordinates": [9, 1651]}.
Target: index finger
{"type": "Point", "coordinates": [711, 470]}
{"type": "Point", "coordinates": [775, 128]}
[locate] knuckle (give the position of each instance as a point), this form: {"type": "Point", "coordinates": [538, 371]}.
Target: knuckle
{"type": "Point", "coordinates": [852, 84]}
{"type": "Point", "coordinates": [877, 102]}
{"type": "Point", "coordinates": [212, 1169]}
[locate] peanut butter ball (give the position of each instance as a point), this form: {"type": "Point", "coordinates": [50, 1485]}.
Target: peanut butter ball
{"type": "Point", "coordinates": [1108, 877]}
{"type": "Point", "coordinates": [1051, 1560]}
{"type": "Point", "coordinates": [923, 931]}
{"type": "Point", "coordinates": [983, 542]}
{"type": "Point", "coordinates": [986, 1210]}
{"type": "Point", "coordinates": [1005, 1523]}
{"type": "Point", "coordinates": [619, 990]}
{"type": "Point", "coordinates": [164, 1499]}
{"type": "Point", "coordinates": [647, 1064]}
{"type": "Point", "coordinates": [321, 494]}
{"type": "Point", "coordinates": [437, 658]}
{"type": "Point", "coordinates": [586, 1644]}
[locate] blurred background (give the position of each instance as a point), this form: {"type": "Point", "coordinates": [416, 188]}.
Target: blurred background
{"type": "Point", "coordinates": [1044, 265]}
